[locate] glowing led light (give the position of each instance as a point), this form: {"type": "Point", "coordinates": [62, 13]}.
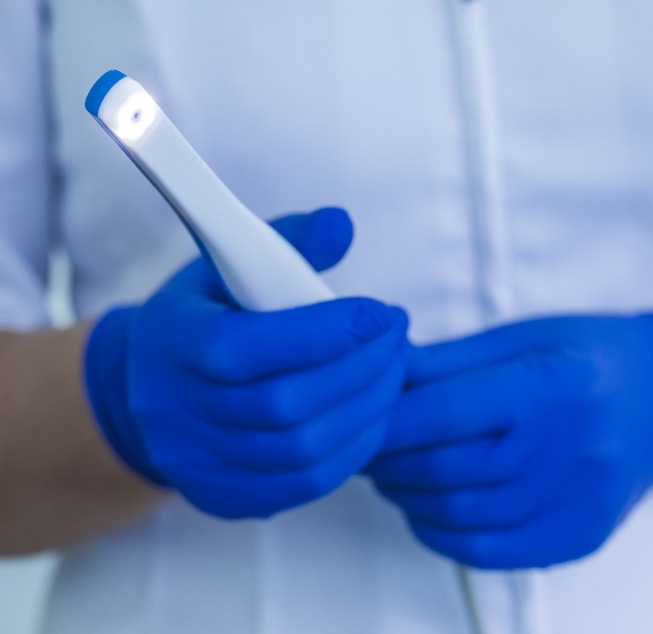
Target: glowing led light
{"type": "Point", "coordinates": [135, 117]}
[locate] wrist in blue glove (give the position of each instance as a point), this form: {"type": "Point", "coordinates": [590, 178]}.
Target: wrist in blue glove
{"type": "Point", "coordinates": [526, 445]}
{"type": "Point", "coordinates": [248, 414]}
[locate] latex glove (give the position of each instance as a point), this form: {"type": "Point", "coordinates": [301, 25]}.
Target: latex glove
{"type": "Point", "coordinates": [527, 445]}
{"type": "Point", "coordinates": [247, 414]}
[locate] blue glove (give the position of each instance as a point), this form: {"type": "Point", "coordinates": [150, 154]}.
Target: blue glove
{"type": "Point", "coordinates": [527, 445]}
{"type": "Point", "coordinates": [247, 414]}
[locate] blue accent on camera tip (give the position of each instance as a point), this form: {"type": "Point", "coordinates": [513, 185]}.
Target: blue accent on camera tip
{"type": "Point", "coordinates": [100, 89]}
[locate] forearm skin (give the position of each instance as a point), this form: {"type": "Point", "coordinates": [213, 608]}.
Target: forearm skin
{"type": "Point", "coordinates": [59, 480]}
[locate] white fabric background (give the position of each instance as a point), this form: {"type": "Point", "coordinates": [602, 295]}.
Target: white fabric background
{"type": "Point", "coordinates": [23, 583]}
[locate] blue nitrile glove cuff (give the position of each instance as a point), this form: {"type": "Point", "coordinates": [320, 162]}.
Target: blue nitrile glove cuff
{"type": "Point", "coordinates": [105, 367]}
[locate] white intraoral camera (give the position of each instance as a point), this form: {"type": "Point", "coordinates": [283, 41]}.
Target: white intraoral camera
{"type": "Point", "coordinates": [260, 268]}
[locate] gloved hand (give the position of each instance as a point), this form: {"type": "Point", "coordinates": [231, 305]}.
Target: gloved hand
{"type": "Point", "coordinates": [526, 445]}
{"type": "Point", "coordinates": [247, 414]}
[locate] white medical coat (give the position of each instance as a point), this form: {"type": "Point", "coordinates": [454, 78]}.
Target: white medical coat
{"type": "Point", "coordinates": [497, 160]}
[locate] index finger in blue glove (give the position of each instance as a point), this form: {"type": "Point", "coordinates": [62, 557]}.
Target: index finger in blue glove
{"type": "Point", "coordinates": [243, 347]}
{"type": "Point", "coordinates": [502, 506]}
{"type": "Point", "coordinates": [496, 346]}
{"type": "Point", "coordinates": [290, 398]}
{"type": "Point", "coordinates": [235, 347]}
{"type": "Point", "coordinates": [460, 408]}
{"type": "Point", "coordinates": [479, 462]}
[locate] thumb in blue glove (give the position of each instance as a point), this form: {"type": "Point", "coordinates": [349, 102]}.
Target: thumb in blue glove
{"type": "Point", "coordinates": [526, 445]}
{"type": "Point", "coordinates": [247, 414]}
